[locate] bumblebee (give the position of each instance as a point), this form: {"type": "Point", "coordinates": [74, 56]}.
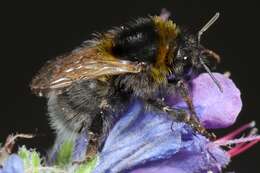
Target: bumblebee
{"type": "Point", "coordinates": [89, 88]}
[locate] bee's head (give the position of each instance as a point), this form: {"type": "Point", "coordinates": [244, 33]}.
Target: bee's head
{"type": "Point", "coordinates": [191, 57]}
{"type": "Point", "coordinates": [186, 59]}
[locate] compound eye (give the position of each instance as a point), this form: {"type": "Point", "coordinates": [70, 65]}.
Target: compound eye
{"type": "Point", "coordinates": [187, 64]}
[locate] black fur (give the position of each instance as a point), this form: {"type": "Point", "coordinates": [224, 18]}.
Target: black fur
{"type": "Point", "coordinates": [75, 101]}
{"type": "Point", "coordinates": [89, 105]}
{"type": "Point", "coordinates": [137, 41]}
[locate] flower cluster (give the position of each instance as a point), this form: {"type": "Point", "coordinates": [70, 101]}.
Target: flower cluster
{"type": "Point", "coordinates": [148, 142]}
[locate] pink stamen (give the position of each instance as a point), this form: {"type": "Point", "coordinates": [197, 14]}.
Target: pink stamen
{"type": "Point", "coordinates": [238, 141]}
{"type": "Point", "coordinates": [240, 149]}
{"type": "Point", "coordinates": [241, 144]}
{"type": "Point", "coordinates": [236, 132]}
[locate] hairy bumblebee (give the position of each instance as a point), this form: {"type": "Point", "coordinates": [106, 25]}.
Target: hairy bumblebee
{"type": "Point", "coordinates": [144, 58]}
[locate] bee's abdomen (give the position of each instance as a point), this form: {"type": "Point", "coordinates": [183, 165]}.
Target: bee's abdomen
{"type": "Point", "coordinates": [137, 41]}
{"type": "Point", "coordinates": [77, 107]}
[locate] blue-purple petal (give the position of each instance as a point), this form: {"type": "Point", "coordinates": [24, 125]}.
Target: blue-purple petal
{"type": "Point", "coordinates": [214, 108]}
{"type": "Point", "coordinates": [199, 157]}
{"type": "Point", "coordinates": [80, 147]}
{"type": "Point", "coordinates": [13, 164]}
{"type": "Point", "coordinates": [140, 139]}
{"type": "Point", "coordinates": [137, 138]}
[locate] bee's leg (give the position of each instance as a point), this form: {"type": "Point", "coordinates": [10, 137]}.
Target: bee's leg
{"type": "Point", "coordinates": [94, 134]}
{"type": "Point", "coordinates": [177, 114]}
{"type": "Point", "coordinates": [192, 120]}
{"type": "Point", "coordinates": [180, 114]}
{"type": "Point", "coordinates": [92, 149]}
{"type": "Point", "coordinates": [99, 129]}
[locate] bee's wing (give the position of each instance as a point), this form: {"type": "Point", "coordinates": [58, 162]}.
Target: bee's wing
{"type": "Point", "coordinates": [65, 70]}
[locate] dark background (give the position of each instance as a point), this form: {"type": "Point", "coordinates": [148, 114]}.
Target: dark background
{"type": "Point", "coordinates": [35, 31]}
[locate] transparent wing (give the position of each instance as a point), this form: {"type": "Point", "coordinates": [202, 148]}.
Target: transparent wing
{"type": "Point", "coordinates": [83, 65]}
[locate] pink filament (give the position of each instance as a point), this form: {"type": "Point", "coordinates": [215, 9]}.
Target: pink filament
{"type": "Point", "coordinates": [242, 144]}
{"type": "Point", "coordinates": [236, 132]}
{"type": "Point", "coordinates": [238, 141]}
{"type": "Point", "coordinates": [240, 149]}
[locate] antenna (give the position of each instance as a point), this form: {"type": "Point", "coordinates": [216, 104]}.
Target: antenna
{"type": "Point", "coordinates": [211, 75]}
{"type": "Point", "coordinates": [206, 27]}
{"type": "Point", "coordinates": [203, 29]}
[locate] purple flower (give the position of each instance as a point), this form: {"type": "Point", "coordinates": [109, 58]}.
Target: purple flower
{"type": "Point", "coordinates": [144, 142]}
{"type": "Point", "coordinates": [148, 142]}
{"type": "Point", "coordinates": [13, 164]}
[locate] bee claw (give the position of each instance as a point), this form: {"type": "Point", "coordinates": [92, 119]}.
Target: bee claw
{"type": "Point", "coordinates": [167, 109]}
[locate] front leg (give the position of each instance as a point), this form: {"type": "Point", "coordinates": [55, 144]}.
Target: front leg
{"type": "Point", "coordinates": [182, 115]}
{"type": "Point", "coordinates": [178, 114]}
{"type": "Point", "coordinates": [193, 120]}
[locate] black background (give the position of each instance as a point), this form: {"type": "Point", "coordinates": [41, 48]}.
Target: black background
{"type": "Point", "coordinates": [35, 31]}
